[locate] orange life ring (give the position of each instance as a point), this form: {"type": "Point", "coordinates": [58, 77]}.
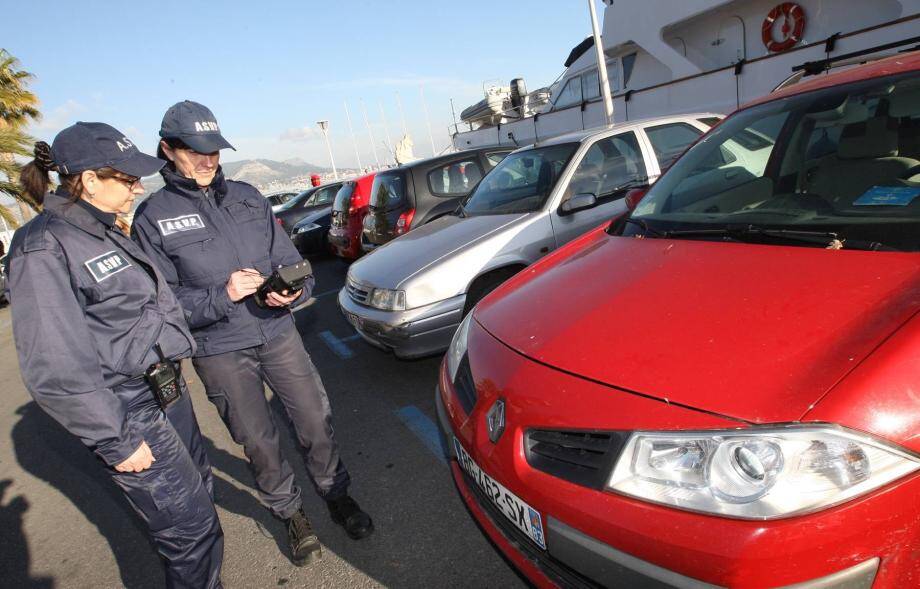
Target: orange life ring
{"type": "Point", "coordinates": [792, 29]}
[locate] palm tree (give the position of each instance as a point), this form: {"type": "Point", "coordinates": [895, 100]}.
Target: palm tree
{"type": "Point", "coordinates": [18, 107]}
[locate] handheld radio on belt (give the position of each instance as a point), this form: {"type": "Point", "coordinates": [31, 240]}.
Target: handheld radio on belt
{"type": "Point", "coordinates": [163, 378]}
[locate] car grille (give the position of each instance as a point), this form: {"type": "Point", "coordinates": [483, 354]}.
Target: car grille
{"type": "Point", "coordinates": [581, 457]}
{"type": "Point", "coordinates": [357, 292]}
{"type": "Point", "coordinates": [559, 572]}
{"type": "Point", "coordinates": [464, 386]}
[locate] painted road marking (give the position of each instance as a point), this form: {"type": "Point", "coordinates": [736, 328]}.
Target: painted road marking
{"type": "Point", "coordinates": [327, 293]}
{"type": "Point", "coordinates": [337, 346]}
{"type": "Point", "coordinates": [423, 428]}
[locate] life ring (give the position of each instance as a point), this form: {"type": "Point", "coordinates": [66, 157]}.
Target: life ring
{"type": "Point", "coordinates": [792, 29]}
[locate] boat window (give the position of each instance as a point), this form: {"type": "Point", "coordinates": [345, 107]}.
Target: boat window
{"type": "Point", "coordinates": [628, 62]}
{"type": "Point", "coordinates": [608, 167]}
{"type": "Point", "coordinates": [613, 75]}
{"type": "Point", "coordinates": [522, 182]}
{"type": "Point", "coordinates": [833, 165]}
{"type": "Point", "coordinates": [571, 93]}
{"type": "Point", "coordinates": [669, 141]}
{"type": "Point", "coordinates": [454, 178]}
{"type": "Point", "coordinates": [388, 190]}
{"type": "Point", "coordinates": [590, 85]}
{"type": "Point", "coordinates": [493, 158]}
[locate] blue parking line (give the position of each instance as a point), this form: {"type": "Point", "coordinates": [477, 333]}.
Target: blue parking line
{"type": "Point", "coordinates": [337, 346]}
{"type": "Point", "coordinates": [423, 428]}
{"type": "Point", "coordinates": [327, 293]}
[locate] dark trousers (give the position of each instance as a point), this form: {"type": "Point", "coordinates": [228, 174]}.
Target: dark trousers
{"type": "Point", "coordinates": [234, 383]}
{"type": "Point", "coordinates": [174, 496]}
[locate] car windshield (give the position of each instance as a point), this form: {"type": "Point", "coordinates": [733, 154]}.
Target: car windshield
{"type": "Point", "coordinates": [296, 200]}
{"type": "Point", "coordinates": [521, 182]}
{"type": "Point", "coordinates": [388, 191]}
{"type": "Point", "coordinates": [838, 168]}
{"type": "Point", "coordinates": [343, 197]}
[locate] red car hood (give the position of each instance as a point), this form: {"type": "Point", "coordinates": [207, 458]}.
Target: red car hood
{"type": "Point", "coordinates": [754, 332]}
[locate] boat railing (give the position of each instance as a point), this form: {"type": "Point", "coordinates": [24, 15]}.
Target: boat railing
{"type": "Point", "coordinates": [729, 87]}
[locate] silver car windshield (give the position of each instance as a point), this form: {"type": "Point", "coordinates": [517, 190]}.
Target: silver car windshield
{"type": "Point", "coordinates": [521, 182]}
{"type": "Point", "coordinates": [838, 167]}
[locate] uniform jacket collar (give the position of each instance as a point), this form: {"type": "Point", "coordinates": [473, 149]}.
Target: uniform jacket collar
{"type": "Point", "coordinates": [59, 203]}
{"type": "Point", "coordinates": [187, 187]}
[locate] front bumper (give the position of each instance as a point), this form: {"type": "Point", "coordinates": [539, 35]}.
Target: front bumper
{"type": "Point", "coordinates": [408, 334]}
{"type": "Point", "coordinates": [598, 538]}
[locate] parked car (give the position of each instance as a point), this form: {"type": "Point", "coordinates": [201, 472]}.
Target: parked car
{"type": "Point", "coordinates": [348, 212]}
{"type": "Point", "coordinates": [410, 295]}
{"type": "Point", "coordinates": [305, 203]}
{"type": "Point", "coordinates": [279, 198]}
{"type": "Point", "coordinates": [311, 234]}
{"type": "Point", "coordinates": [719, 389]}
{"type": "Point", "coordinates": [411, 195]}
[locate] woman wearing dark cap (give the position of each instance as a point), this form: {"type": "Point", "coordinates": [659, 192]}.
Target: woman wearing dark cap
{"type": "Point", "coordinates": [216, 240]}
{"type": "Point", "coordinates": [99, 334]}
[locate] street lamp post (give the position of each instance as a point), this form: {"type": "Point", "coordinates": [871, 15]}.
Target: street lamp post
{"type": "Point", "coordinates": [324, 127]}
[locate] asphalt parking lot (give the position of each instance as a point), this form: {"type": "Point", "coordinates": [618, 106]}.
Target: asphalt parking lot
{"type": "Point", "coordinates": [63, 524]}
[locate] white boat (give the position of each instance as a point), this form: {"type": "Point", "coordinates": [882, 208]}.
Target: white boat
{"type": "Point", "coordinates": [665, 57]}
{"type": "Point", "coordinates": [504, 103]}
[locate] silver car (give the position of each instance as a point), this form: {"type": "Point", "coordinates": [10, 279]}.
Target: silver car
{"type": "Point", "coordinates": [410, 295]}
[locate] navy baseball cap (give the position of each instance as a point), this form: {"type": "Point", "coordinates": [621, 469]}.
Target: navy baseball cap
{"type": "Point", "coordinates": [195, 125]}
{"type": "Point", "coordinates": [90, 146]}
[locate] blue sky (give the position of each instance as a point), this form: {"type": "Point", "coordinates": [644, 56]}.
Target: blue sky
{"type": "Point", "coordinates": [270, 69]}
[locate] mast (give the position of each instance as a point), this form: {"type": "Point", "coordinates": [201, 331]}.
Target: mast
{"type": "Point", "coordinates": [371, 133]}
{"type": "Point", "coordinates": [354, 139]}
{"type": "Point", "coordinates": [421, 91]}
{"type": "Point", "coordinates": [601, 64]}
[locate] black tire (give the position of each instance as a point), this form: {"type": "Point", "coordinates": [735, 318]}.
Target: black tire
{"type": "Point", "coordinates": [486, 284]}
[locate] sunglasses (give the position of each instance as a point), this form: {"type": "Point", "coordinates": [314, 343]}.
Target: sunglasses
{"type": "Point", "coordinates": [130, 182]}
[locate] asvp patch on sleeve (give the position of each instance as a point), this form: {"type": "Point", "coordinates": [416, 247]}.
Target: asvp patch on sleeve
{"type": "Point", "coordinates": [179, 224]}
{"type": "Point", "coordinates": [101, 267]}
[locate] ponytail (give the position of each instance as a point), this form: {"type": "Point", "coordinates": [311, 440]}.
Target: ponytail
{"type": "Point", "coordinates": [35, 175]}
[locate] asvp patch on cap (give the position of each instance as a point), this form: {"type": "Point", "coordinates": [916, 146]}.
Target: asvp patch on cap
{"type": "Point", "coordinates": [179, 224]}
{"type": "Point", "coordinates": [108, 264]}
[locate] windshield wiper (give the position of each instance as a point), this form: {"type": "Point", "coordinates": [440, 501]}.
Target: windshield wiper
{"type": "Point", "coordinates": [645, 227]}
{"type": "Point", "coordinates": [828, 239]}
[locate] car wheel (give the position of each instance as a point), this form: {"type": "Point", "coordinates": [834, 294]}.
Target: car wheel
{"type": "Point", "coordinates": [486, 284]}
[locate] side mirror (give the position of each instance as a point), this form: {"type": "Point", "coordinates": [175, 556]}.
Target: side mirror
{"type": "Point", "coordinates": [634, 196]}
{"type": "Point", "coordinates": [579, 202]}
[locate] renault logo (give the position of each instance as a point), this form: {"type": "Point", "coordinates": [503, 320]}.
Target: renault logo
{"type": "Point", "coordinates": [495, 420]}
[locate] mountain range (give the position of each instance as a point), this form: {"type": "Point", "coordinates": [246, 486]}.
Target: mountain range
{"type": "Point", "coordinates": [262, 173]}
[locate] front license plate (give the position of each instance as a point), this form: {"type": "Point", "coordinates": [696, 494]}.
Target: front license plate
{"type": "Point", "coordinates": [526, 518]}
{"type": "Point", "coordinates": [353, 319]}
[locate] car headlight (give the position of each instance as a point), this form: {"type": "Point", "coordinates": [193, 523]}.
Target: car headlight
{"type": "Point", "coordinates": [457, 348]}
{"type": "Point", "coordinates": [306, 227]}
{"type": "Point", "coordinates": [759, 473]}
{"type": "Point", "coordinates": [388, 300]}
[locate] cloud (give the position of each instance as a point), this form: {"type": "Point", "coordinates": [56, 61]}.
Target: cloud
{"type": "Point", "coordinates": [299, 134]}
{"type": "Point", "coordinates": [59, 117]}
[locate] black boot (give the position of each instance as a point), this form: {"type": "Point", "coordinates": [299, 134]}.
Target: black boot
{"type": "Point", "coordinates": [346, 513]}
{"type": "Point", "coordinates": [305, 547]}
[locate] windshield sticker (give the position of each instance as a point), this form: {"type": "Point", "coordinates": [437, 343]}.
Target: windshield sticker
{"type": "Point", "coordinates": [889, 196]}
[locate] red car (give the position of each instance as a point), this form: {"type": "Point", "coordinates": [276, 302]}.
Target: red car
{"type": "Point", "coordinates": [348, 212]}
{"type": "Point", "coordinates": [720, 388]}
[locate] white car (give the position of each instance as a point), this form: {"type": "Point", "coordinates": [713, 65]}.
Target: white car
{"type": "Point", "coordinates": [410, 295]}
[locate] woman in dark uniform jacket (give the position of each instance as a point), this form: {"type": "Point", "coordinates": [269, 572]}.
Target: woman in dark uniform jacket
{"type": "Point", "coordinates": [91, 315]}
